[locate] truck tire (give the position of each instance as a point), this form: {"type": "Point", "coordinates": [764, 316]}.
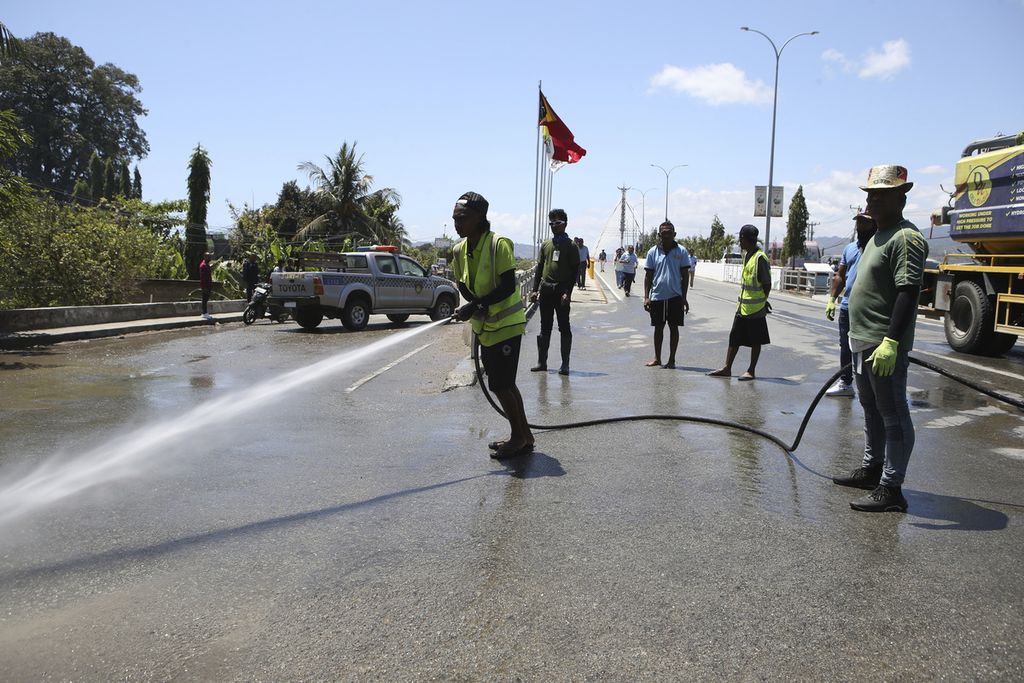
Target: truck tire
{"type": "Point", "coordinates": [444, 308]}
{"type": "Point", "coordinates": [969, 319]}
{"type": "Point", "coordinates": [356, 314]}
{"type": "Point", "coordinates": [398, 318]}
{"type": "Point", "coordinates": [308, 318]}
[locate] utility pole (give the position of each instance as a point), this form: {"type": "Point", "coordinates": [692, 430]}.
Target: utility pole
{"type": "Point", "coordinates": [622, 216]}
{"type": "Point", "coordinates": [810, 226]}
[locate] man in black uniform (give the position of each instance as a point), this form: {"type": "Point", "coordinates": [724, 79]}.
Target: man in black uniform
{"type": "Point", "coordinates": [557, 270]}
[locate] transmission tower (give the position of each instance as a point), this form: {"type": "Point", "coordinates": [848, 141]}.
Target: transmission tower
{"type": "Point", "coordinates": [622, 216]}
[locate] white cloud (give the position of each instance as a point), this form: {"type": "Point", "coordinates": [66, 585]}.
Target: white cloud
{"type": "Point", "coordinates": [894, 57]}
{"type": "Point", "coordinates": [931, 170]}
{"type": "Point", "coordinates": [714, 83]}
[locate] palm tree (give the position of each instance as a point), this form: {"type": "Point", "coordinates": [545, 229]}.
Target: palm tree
{"type": "Point", "coordinates": [343, 188]}
{"type": "Point", "coordinates": [385, 226]}
{"type": "Point", "coordinates": [8, 43]}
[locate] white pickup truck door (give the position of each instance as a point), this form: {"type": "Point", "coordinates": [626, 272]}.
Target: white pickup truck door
{"type": "Point", "coordinates": [419, 292]}
{"type": "Point", "coordinates": [390, 287]}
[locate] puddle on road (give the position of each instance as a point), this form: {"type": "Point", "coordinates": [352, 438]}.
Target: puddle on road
{"type": "Point", "coordinates": [952, 398]}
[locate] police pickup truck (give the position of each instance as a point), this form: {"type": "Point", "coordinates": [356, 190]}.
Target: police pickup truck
{"type": "Point", "coordinates": [352, 285]}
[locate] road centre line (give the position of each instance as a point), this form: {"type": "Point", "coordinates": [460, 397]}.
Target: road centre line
{"type": "Point", "coordinates": [384, 369]}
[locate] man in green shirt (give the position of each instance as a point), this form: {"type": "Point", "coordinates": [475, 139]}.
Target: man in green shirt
{"type": "Point", "coordinates": [883, 311]}
{"type": "Point", "coordinates": [557, 269]}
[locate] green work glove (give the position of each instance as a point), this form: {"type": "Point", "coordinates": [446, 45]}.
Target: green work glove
{"type": "Point", "coordinates": [830, 308]}
{"type": "Point", "coordinates": [883, 358]}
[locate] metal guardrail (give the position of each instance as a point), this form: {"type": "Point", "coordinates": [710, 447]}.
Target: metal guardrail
{"type": "Point", "coordinates": [805, 282]}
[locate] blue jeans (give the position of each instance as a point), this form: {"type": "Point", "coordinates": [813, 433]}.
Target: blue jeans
{"type": "Point", "coordinates": [845, 355]}
{"type": "Point", "coordinates": [888, 431]}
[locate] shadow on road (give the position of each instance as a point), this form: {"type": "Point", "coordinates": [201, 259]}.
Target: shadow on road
{"type": "Point", "coordinates": [958, 514]}
{"type": "Point", "coordinates": [537, 465]}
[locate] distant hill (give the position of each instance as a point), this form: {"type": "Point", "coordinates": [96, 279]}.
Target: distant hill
{"type": "Point", "coordinates": [938, 246]}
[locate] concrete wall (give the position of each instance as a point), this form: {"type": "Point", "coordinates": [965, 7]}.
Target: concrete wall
{"type": "Point", "coordinates": [732, 272]}
{"type": "Point", "coordinates": [154, 290]}
{"type": "Point", "coordinates": [21, 319]}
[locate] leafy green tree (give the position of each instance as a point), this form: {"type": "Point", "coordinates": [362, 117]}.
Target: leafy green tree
{"type": "Point", "coordinates": [290, 211]}
{"type": "Point", "coordinates": [55, 254]}
{"type": "Point", "coordinates": [110, 183]}
{"type": "Point", "coordinates": [385, 227]}
{"type": "Point", "coordinates": [717, 230]}
{"type": "Point", "coordinates": [95, 177]}
{"type": "Point", "coordinates": [13, 189]}
{"type": "Point", "coordinates": [137, 184]}
{"type": "Point", "coordinates": [198, 201]}
{"type": "Point", "coordinates": [70, 107]}
{"type": "Point", "coordinates": [252, 233]}
{"type": "Point", "coordinates": [794, 245]}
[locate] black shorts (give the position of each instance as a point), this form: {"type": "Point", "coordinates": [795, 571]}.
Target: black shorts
{"type": "Point", "coordinates": [501, 362]}
{"type": "Point", "coordinates": [667, 311]}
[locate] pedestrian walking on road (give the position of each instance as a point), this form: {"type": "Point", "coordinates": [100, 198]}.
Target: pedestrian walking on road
{"type": "Point", "coordinates": [251, 275]}
{"type": "Point", "coordinates": [693, 268]}
{"type": "Point", "coordinates": [206, 282]}
{"type": "Point", "coordinates": [665, 287]}
{"type": "Point", "coordinates": [485, 268]}
{"type": "Point", "coordinates": [883, 313]}
{"type": "Point", "coordinates": [601, 258]}
{"type": "Point", "coordinates": [557, 270]}
{"type": "Point", "coordinates": [842, 283]}
{"type": "Point", "coordinates": [628, 262]}
{"type": "Point", "coordinates": [584, 262]}
{"type": "Point", "coordinates": [750, 324]}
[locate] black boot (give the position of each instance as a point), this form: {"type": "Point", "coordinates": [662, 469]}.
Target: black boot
{"type": "Point", "coordinates": [566, 350]}
{"type": "Point", "coordinates": [542, 353]}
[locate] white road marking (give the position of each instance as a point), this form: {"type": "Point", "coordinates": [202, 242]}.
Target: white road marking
{"type": "Point", "coordinates": [976, 366]}
{"type": "Point", "coordinates": [613, 290]}
{"type": "Point", "coordinates": [385, 368]}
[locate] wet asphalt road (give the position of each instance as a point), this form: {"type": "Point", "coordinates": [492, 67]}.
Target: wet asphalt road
{"type": "Point", "coordinates": [355, 528]}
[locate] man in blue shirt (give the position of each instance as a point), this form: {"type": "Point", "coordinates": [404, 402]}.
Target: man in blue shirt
{"type": "Point", "coordinates": [665, 287]}
{"type": "Point", "coordinates": [843, 282]}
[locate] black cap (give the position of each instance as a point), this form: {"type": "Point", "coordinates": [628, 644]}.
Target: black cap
{"type": "Point", "coordinates": [472, 200]}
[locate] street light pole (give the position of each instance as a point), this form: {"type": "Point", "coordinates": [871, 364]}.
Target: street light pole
{"type": "Point", "coordinates": [775, 102]}
{"type": "Point", "coordinates": [643, 209]}
{"type": "Point", "coordinates": [667, 174]}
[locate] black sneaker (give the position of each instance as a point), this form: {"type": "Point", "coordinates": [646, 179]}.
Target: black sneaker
{"type": "Point", "coordinates": [882, 499]}
{"type": "Point", "coordinates": [865, 478]}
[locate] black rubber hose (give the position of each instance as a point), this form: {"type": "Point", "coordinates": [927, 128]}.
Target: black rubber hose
{"type": "Point", "coordinates": [726, 423]}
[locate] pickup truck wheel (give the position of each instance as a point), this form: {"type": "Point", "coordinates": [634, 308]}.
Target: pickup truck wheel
{"type": "Point", "coordinates": [308, 318]}
{"type": "Point", "coordinates": [356, 314]}
{"type": "Point", "coordinates": [969, 320]}
{"type": "Point", "coordinates": [444, 308]}
{"type": "Point", "coordinates": [398, 318]}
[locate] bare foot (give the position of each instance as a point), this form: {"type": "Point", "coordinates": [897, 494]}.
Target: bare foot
{"type": "Point", "coordinates": [653, 363]}
{"type": "Point", "coordinates": [721, 372]}
{"type": "Point", "coordinates": [747, 376]}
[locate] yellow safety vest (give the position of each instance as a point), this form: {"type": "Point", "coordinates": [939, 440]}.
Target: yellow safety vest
{"type": "Point", "coordinates": [498, 317]}
{"type": "Point", "coordinates": [752, 297]}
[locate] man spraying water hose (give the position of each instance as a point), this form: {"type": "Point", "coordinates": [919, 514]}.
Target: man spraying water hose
{"type": "Point", "coordinates": [883, 312]}
{"type": "Point", "coordinates": [484, 266]}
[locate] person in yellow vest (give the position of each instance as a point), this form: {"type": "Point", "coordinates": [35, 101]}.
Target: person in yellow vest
{"type": "Point", "coordinates": [484, 266]}
{"type": "Point", "coordinates": [750, 325]}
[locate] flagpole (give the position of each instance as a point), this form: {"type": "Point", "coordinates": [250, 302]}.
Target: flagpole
{"type": "Point", "coordinates": [536, 181]}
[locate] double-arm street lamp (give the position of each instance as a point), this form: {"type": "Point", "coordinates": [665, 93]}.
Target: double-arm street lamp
{"type": "Point", "coordinates": [667, 174]}
{"type": "Point", "coordinates": [643, 208]}
{"type": "Point", "coordinates": [775, 102]}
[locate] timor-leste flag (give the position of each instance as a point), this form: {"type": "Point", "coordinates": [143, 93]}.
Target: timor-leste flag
{"type": "Point", "coordinates": [565, 147]}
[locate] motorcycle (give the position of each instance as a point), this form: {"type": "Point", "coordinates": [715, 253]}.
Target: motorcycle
{"type": "Point", "coordinates": [258, 306]}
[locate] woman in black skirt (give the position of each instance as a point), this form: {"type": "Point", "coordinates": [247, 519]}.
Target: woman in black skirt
{"type": "Point", "coordinates": [750, 326]}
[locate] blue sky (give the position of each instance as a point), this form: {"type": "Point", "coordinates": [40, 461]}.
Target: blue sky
{"type": "Point", "coordinates": [441, 98]}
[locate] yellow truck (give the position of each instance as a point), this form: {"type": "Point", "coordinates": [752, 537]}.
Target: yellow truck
{"type": "Point", "coordinates": [982, 293]}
